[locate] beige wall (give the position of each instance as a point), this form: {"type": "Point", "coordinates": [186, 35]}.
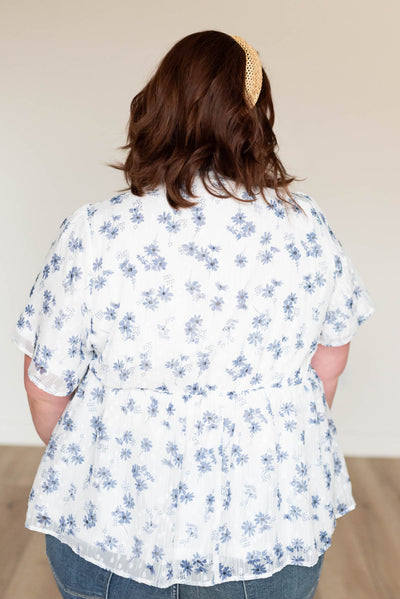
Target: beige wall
{"type": "Point", "coordinates": [69, 72]}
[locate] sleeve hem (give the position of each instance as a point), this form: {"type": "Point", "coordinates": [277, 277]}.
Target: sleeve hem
{"type": "Point", "coordinates": [335, 342]}
{"type": "Point", "coordinates": [23, 344]}
{"type": "Point", "coordinates": [47, 388]}
{"type": "Point", "coordinates": [26, 346]}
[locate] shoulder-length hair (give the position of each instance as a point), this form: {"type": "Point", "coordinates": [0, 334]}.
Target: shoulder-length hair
{"type": "Point", "coordinates": [192, 118]}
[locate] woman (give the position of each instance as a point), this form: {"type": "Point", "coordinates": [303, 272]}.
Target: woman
{"type": "Point", "coordinates": [199, 323]}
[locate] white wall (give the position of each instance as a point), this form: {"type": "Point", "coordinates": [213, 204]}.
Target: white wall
{"type": "Point", "coordinates": [69, 72]}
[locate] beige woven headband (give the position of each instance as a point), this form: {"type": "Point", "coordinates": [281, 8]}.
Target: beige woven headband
{"type": "Point", "coordinates": [253, 81]}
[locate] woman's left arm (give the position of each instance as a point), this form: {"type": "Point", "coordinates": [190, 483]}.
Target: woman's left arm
{"type": "Point", "coordinates": [46, 409]}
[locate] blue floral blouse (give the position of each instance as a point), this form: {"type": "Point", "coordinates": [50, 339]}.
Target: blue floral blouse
{"type": "Point", "coordinates": [198, 447]}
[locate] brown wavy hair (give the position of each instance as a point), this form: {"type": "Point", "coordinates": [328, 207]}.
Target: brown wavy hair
{"type": "Point", "coordinates": [192, 119]}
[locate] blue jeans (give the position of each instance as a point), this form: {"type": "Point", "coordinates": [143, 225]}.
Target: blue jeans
{"type": "Point", "coordinates": [78, 578]}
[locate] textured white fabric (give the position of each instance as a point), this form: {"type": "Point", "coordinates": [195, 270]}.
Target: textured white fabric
{"type": "Point", "coordinates": [198, 447]}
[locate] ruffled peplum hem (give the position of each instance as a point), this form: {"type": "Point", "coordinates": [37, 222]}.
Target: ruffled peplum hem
{"type": "Point", "coordinates": [231, 487]}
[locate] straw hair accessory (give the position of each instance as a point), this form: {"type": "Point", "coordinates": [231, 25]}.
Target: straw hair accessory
{"type": "Point", "coordinates": [253, 81]}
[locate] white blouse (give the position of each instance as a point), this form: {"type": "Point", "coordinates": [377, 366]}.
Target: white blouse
{"type": "Point", "coordinates": [198, 447]}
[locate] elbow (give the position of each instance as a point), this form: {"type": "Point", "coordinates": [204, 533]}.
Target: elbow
{"type": "Point", "coordinates": [330, 362]}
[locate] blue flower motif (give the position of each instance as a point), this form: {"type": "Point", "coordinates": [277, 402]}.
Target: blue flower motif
{"type": "Point", "coordinates": [185, 339]}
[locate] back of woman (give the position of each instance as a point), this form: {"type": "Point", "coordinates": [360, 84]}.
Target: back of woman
{"type": "Point", "coordinates": [198, 447]}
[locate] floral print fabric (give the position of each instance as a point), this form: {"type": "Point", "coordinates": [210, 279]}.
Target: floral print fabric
{"type": "Point", "coordinates": [198, 446]}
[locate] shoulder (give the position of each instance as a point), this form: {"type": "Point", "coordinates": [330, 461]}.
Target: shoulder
{"type": "Point", "coordinates": [310, 206]}
{"type": "Point", "coordinates": [322, 227]}
{"type": "Point", "coordinates": [117, 207]}
{"type": "Point", "coordinates": [89, 218]}
{"type": "Point", "coordinates": [314, 211]}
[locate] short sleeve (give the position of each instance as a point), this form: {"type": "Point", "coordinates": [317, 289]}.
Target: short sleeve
{"type": "Point", "coordinates": [349, 304]}
{"type": "Point", "coordinates": [54, 326]}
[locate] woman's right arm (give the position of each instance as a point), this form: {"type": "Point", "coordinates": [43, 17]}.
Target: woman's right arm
{"type": "Point", "coordinates": [329, 363]}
